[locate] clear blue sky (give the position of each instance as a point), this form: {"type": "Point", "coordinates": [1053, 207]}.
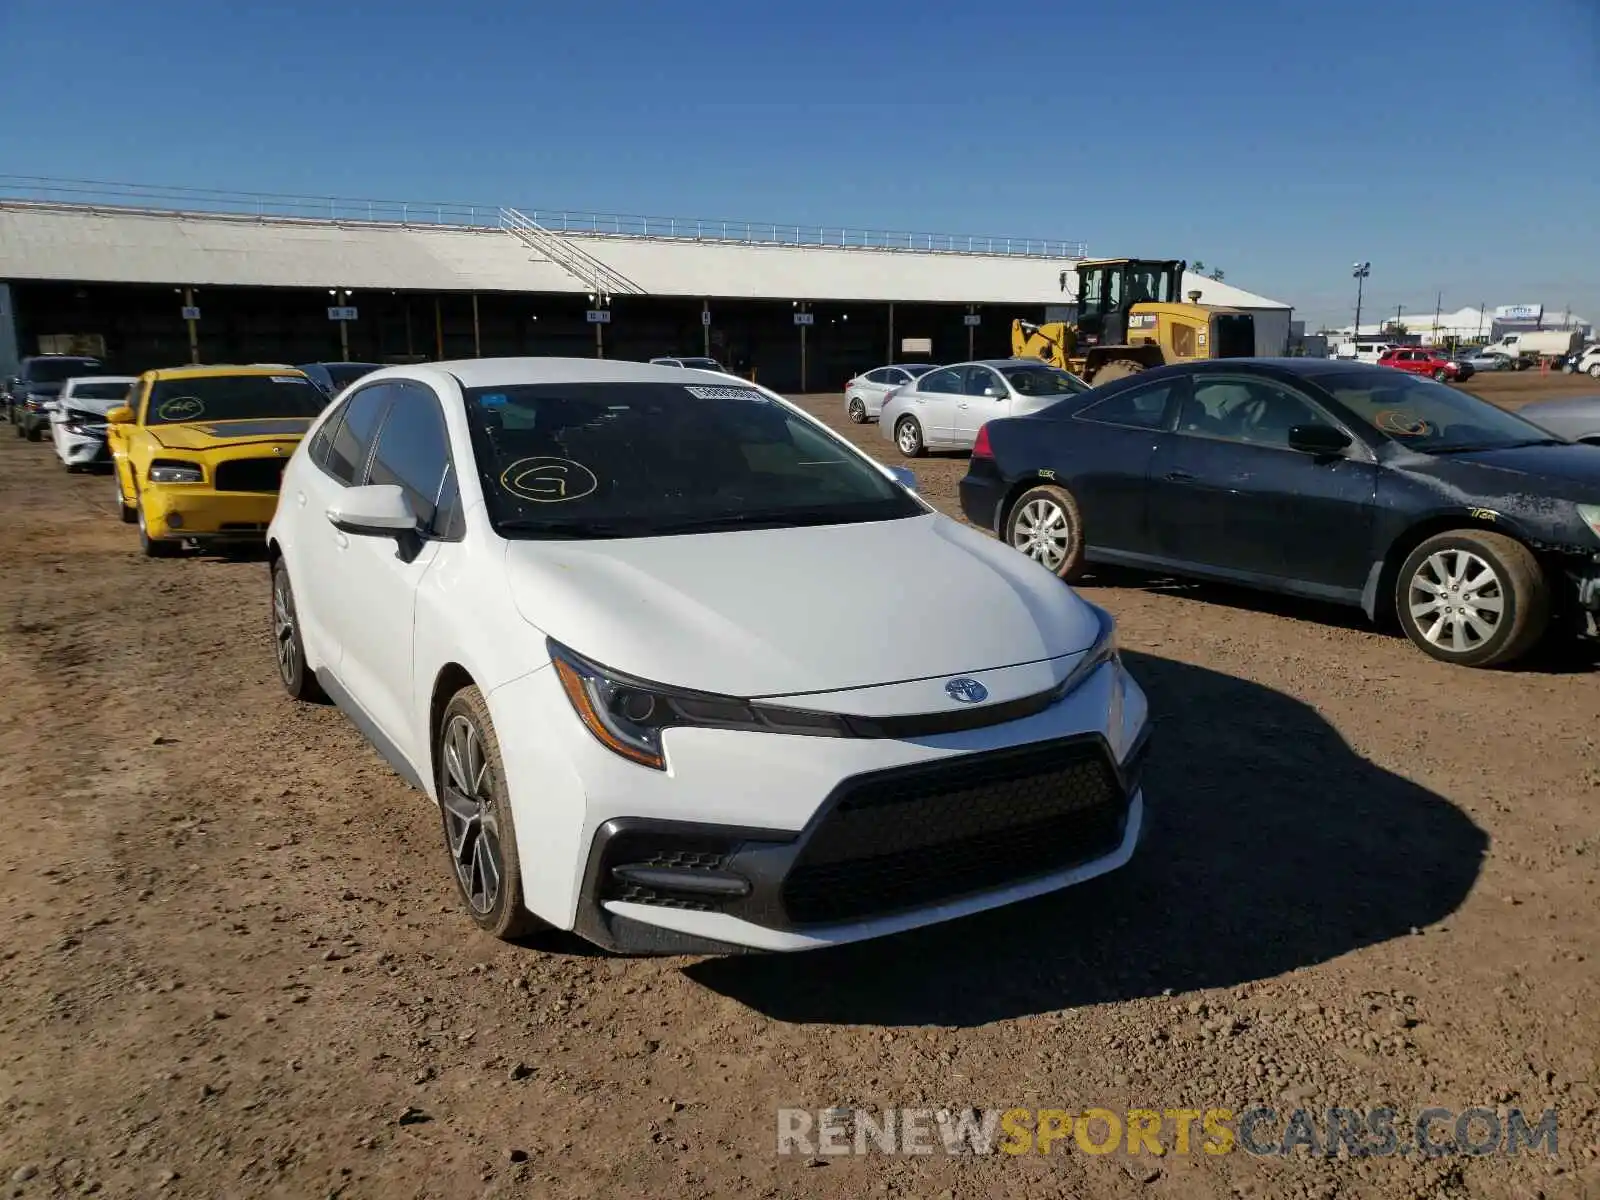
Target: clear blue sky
{"type": "Point", "coordinates": [1455, 143]}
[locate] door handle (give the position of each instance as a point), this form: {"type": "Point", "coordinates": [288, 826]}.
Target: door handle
{"type": "Point", "coordinates": [300, 499]}
{"type": "Point", "coordinates": [963, 404]}
{"type": "Point", "coordinates": [340, 539]}
{"type": "Point", "coordinates": [1179, 477]}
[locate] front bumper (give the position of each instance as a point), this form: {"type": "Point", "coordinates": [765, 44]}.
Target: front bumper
{"type": "Point", "coordinates": [771, 842]}
{"type": "Point", "coordinates": [193, 512]}
{"type": "Point", "coordinates": [81, 449]}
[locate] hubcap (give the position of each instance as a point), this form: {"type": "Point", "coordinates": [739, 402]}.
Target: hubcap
{"type": "Point", "coordinates": [1043, 533]}
{"type": "Point", "coordinates": [908, 438]}
{"type": "Point", "coordinates": [283, 628]}
{"type": "Point", "coordinates": [1457, 600]}
{"type": "Point", "coordinates": [471, 826]}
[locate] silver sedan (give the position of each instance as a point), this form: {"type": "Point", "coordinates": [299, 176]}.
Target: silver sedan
{"type": "Point", "coordinates": [945, 408]}
{"type": "Point", "coordinates": [864, 395]}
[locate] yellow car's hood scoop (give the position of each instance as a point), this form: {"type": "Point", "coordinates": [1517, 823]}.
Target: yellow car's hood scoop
{"type": "Point", "coordinates": [200, 436]}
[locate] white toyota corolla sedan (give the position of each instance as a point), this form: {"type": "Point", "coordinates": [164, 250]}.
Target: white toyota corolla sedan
{"type": "Point", "coordinates": [609, 616]}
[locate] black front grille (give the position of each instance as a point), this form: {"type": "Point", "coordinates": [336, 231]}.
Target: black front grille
{"type": "Point", "coordinates": [250, 474]}
{"type": "Point", "coordinates": [915, 836]}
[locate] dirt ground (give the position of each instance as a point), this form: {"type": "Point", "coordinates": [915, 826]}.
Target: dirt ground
{"type": "Point", "coordinates": [232, 963]}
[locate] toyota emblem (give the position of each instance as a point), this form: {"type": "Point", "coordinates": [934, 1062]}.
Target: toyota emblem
{"type": "Point", "coordinates": [967, 691]}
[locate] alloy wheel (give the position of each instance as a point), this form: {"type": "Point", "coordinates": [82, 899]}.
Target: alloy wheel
{"type": "Point", "coordinates": [1043, 532]}
{"type": "Point", "coordinates": [1457, 600]}
{"type": "Point", "coordinates": [471, 826]}
{"type": "Point", "coordinates": [908, 438]}
{"type": "Point", "coordinates": [858, 411]}
{"type": "Point", "coordinates": [283, 628]}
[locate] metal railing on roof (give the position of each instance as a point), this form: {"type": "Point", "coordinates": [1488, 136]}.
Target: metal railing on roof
{"type": "Point", "coordinates": [101, 194]}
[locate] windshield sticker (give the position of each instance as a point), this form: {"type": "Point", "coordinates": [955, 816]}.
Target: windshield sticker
{"type": "Point", "coordinates": [1402, 424]}
{"type": "Point", "coordinates": [548, 480]}
{"type": "Point", "coordinates": [494, 400]}
{"type": "Point", "coordinates": [726, 393]}
{"type": "Point", "coordinates": [180, 408]}
{"type": "Point", "coordinates": [288, 379]}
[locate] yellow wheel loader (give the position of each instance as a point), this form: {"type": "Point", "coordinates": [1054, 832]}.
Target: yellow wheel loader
{"type": "Point", "coordinates": [1130, 318]}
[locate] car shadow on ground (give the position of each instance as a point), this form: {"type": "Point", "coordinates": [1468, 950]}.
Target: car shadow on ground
{"type": "Point", "coordinates": [1271, 845]}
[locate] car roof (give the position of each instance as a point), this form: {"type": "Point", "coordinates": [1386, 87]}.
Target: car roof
{"type": "Point", "coordinates": [220, 369]}
{"type": "Point", "coordinates": [374, 366]}
{"type": "Point", "coordinates": [508, 372]}
{"type": "Point", "coordinates": [104, 379]}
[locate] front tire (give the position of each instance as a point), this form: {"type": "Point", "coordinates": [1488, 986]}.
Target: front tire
{"type": "Point", "coordinates": [1441, 375]}
{"type": "Point", "coordinates": [34, 433]}
{"type": "Point", "coordinates": [1594, 371]}
{"type": "Point", "coordinates": [1117, 368]}
{"type": "Point", "coordinates": [154, 547]}
{"type": "Point", "coordinates": [908, 438]}
{"type": "Point", "coordinates": [858, 411]}
{"type": "Point", "coordinates": [296, 677]}
{"type": "Point", "coordinates": [1473, 598]}
{"type": "Point", "coordinates": [1045, 525]}
{"type": "Point", "coordinates": [126, 510]}
{"type": "Point", "coordinates": [476, 813]}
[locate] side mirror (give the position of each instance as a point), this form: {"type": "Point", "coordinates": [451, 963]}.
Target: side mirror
{"type": "Point", "coordinates": [1318, 439]}
{"type": "Point", "coordinates": [993, 393]}
{"type": "Point", "coordinates": [120, 415]}
{"type": "Point", "coordinates": [377, 510]}
{"type": "Point", "coordinates": [906, 479]}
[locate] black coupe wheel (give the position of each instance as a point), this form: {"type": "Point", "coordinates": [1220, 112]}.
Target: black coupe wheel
{"type": "Point", "coordinates": [858, 411]}
{"type": "Point", "coordinates": [1044, 524]}
{"type": "Point", "coordinates": [476, 812]}
{"type": "Point", "coordinates": [1473, 598]}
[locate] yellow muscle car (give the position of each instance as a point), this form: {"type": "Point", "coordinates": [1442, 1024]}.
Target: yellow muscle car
{"type": "Point", "coordinates": [198, 452]}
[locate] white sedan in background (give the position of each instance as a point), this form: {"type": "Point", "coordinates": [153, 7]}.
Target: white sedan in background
{"type": "Point", "coordinates": [865, 393]}
{"type": "Point", "coordinates": [944, 409]}
{"type": "Point", "coordinates": [608, 616]}
{"type": "Point", "coordinates": [78, 418]}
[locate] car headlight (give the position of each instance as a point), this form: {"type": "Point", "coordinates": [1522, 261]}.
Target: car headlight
{"type": "Point", "coordinates": [1103, 650]}
{"type": "Point", "coordinates": [169, 471]}
{"type": "Point", "coordinates": [628, 715]}
{"type": "Point", "coordinates": [1591, 517]}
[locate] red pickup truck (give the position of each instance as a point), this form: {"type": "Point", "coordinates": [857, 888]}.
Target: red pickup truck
{"type": "Point", "coordinates": [1421, 360]}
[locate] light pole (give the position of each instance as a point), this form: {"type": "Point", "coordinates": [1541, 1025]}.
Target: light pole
{"type": "Point", "coordinates": [342, 300]}
{"type": "Point", "coordinates": [1362, 270]}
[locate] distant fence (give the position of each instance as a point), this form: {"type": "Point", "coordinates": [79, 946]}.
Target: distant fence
{"type": "Point", "coordinates": [102, 194]}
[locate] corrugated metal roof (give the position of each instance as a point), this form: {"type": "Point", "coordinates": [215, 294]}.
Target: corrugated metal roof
{"type": "Point", "coordinates": [98, 245]}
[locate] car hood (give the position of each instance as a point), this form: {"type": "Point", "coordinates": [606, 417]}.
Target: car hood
{"type": "Point", "coordinates": [816, 609]}
{"type": "Point", "coordinates": [1532, 473]}
{"type": "Point", "coordinates": [205, 436]}
{"type": "Point", "coordinates": [92, 404]}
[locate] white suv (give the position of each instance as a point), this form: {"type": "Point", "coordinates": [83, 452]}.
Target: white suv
{"type": "Point", "coordinates": [607, 615]}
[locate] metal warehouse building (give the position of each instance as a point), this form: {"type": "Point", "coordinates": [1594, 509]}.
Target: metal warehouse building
{"type": "Point", "coordinates": [285, 279]}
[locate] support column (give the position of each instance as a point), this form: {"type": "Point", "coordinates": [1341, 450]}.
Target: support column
{"type": "Point", "coordinates": [10, 351]}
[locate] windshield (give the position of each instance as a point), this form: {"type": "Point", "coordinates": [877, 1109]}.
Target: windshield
{"type": "Point", "coordinates": [58, 370]}
{"type": "Point", "coordinates": [344, 374]}
{"type": "Point", "coordinates": [1429, 417]}
{"type": "Point", "coordinates": [231, 398]}
{"type": "Point", "coordinates": [918, 370]}
{"type": "Point", "coordinates": [649, 459]}
{"type": "Point", "coordinates": [1043, 381]}
{"type": "Point", "coordinates": [90, 390]}
{"type": "Point", "coordinates": [702, 364]}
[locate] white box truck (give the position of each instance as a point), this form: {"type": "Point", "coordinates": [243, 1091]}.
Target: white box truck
{"type": "Point", "coordinates": [1529, 349]}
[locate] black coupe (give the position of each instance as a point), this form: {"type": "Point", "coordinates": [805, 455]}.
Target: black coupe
{"type": "Point", "coordinates": [1351, 483]}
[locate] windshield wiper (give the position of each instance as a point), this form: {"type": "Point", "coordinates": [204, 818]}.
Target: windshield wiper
{"type": "Point", "coordinates": [752, 520]}
{"type": "Point", "coordinates": [575, 529]}
{"type": "Point", "coordinates": [1473, 448]}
